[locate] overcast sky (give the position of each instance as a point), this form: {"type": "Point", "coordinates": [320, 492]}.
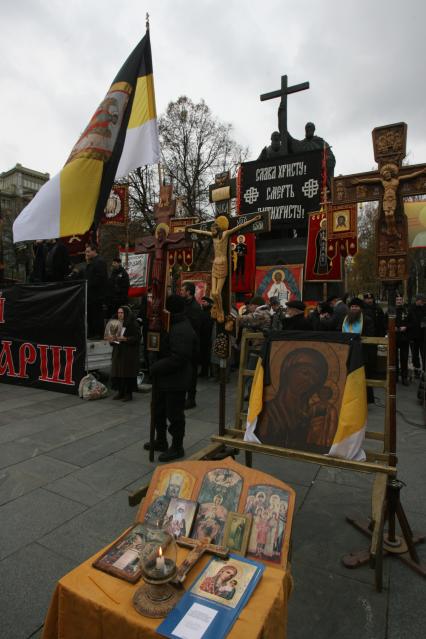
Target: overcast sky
{"type": "Point", "coordinates": [364, 60]}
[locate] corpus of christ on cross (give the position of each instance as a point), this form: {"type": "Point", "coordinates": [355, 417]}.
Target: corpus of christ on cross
{"type": "Point", "coordinates": [388, 185]}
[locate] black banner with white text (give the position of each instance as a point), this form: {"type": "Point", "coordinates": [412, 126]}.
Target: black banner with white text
{"type": "Point", "coordinates": [42, 335]}
{"type": "Point", "coordinates": [288, 188]}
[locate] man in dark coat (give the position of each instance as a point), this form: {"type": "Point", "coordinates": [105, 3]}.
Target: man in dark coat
{"type": "Point", "coordinates": [118, 285]}
{"type": "Point", "coordinates": [97, 287]}
{"type": "Point", "coordinates": [172, 375]}
{"type": "Point", "coordinates": [340, 310]}
{"type": "Point", "coordinates": [373, 310]}
{"type": "Point", "coordinates": [195, 315]}
{"type": "Point", "coordinates": [57, 261]}
{"type": "Point", "coordinates": [40, 249]}
{"type": "Point", "coordinates": [416, 333]}
{"type": "Point", "coordinates": [295, 319]}
{"type": "Point", "coordinates": [376, 313]}
{"type": "Point", "coordinates": [402, 341]}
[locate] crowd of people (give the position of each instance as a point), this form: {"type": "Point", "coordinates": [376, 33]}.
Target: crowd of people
{"type": "Point", "coordinates": [187, 351]}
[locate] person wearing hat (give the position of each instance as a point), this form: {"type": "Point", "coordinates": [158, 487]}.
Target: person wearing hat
{"type": "Point", "coordinates": [402, 341]}
{"type": "Point", "coordinates": [295, 319]}
{"type": "Point", "coordinates": [357, 321]}
{"type": "Point", "coordinates": [206, 336]}
{"type": "Point", "coordinates": [340, 311]}
{"type": "Point", "coordinates": [172, 375]}
{"type": "Point", "coordinates": [416, 333]}
{"type": "Point", "coordinates": [372, 309]}
{"type": "Point", "coordinates": [194, 313]}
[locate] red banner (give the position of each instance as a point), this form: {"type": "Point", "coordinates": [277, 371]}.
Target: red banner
{"type": "Point", "coordinates": [243, 262]}
{"type": "Point", "coordinates": [117, 205]}
{"type": "Point", "coordinates": [320, 265]}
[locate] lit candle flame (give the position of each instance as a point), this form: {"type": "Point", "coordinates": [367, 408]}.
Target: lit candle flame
{"type": "Point", "coordinates": [160, 552]}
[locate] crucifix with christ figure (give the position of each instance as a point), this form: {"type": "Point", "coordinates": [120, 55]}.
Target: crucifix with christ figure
{"type": "Point", "coordinates": [388, 185]}
{"type": "Point", "coordinates": [158, 244]}
{"type": "Point", "coordinates": [198, 548]}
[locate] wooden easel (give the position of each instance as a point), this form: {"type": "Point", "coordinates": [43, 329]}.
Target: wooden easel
{"type": "Point", "coordinates": [381, 460]}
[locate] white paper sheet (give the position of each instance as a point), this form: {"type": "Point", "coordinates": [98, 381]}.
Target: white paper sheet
{"type": "Point", "coordinates": [195, 623]}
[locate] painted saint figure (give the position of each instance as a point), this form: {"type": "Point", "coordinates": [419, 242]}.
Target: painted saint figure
{"type": "Point", "coordinates": [322, 263]}
{"type": "Point", "coordinates": [220, 234]}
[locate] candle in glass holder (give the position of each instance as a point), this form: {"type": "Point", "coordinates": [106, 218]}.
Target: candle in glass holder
{"type": "Point", "coordinates": [159, 562]}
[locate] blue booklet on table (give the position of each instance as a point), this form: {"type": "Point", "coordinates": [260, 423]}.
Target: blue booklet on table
{"type": "Point", "coordinates": [210, 608]}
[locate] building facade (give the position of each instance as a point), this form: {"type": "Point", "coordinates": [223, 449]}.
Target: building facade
{"type": "Point", "coordinates": [17, 187]}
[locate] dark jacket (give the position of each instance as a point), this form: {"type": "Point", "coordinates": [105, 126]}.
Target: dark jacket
{"type": "Point", "coordinates": [401, 321]}
{"type": "Point", "coordinates": [97, 280]}
{"type": "Point", "coordinates": [57, 262]}
{"type": "Point", "coordinates": [118, 286]}
{"type": "Point", "coordinates": [297, 323]}
{"type": "Point", "coordinates": [178, 349]}
{"type": "Point", "coordinates": [194, 313]}
{"type": "Point", "coordinates": [378, 317]}
{"type": "Point", "coordinates": [125, 355]}
{"type": "Point", "coordinates": [334, 323]}
{"type": "Point", "coordinates": [416, 322]}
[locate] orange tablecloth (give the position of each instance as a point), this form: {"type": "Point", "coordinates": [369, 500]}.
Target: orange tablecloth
{"type": "Point", "coordinates": [90, 604]}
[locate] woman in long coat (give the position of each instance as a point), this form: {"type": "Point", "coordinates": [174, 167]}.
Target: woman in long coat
{"type": "Point", "coordinates": [125, 355]}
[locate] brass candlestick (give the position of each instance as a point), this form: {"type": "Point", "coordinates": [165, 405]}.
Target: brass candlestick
{"type": "Point", "coordinates": [157, 597]}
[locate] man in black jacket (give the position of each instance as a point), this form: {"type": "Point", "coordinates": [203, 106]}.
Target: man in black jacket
{"type": "Point", "coordinates": [118, 294]}
{"type": "Point", "coordinates": [402, 342]}
{"type": "Point", "coordinates": [97, 287]}
{"type": "Point", "coordinates": [57, 261]}
{"type": "Point", "coordinates": [416, 333]}
{"type": "Point", "coordinates": [294, 319]}
{"type": "Point", "coordinates": [195, 315]}
{"type": "Point", "coordinates": [172, 375]}
{"type": "Point", "coordinates": [340, 310]}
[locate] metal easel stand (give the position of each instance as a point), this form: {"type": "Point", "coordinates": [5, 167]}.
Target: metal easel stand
{"type": "Point", "coordinates": [386, 542]}
{"type": "Point", "coordinates": [386, 500]}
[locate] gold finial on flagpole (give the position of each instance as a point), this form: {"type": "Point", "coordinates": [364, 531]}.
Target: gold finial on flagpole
{"type": "Point", "coordinates": [147, 21]}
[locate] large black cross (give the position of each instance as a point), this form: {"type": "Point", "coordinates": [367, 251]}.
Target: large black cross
{"type": "Point", "coordinates": [282, 110]}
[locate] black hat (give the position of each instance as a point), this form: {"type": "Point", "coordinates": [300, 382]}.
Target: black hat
{"type": "Point", "coordinates": [326, 308]}
{"type": "Point", "coordinates": [420, 296]}
{"type": "Point", "coordinates": [296, 304]}
{"type": "Point", "coordinates": [258, 300]}
{"type": "Point", "coordinates": [368, 296]}
{"type": "Point", "coordinates": [175, 304]}
{"type": "Point", "coordinates": [356, 301]}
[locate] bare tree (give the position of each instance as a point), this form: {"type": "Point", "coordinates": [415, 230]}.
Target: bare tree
{"type": "Point", "coordinates": [362, 268]}
{"type": "Point", "coordinates": [195, 146]}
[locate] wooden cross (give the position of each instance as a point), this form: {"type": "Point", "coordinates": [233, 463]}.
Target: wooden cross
{"type": "Point", "coordinates": [159, 244]}
{"type": "Point", "coordinates": [198, 548]}
{"type": "Point", "coordinates": [389, 185]}
{"type": "Point", "coordinates": [282, 110]}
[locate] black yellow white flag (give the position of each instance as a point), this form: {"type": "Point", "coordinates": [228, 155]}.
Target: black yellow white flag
{"type": "Point", "coordinates": [121, 136]}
